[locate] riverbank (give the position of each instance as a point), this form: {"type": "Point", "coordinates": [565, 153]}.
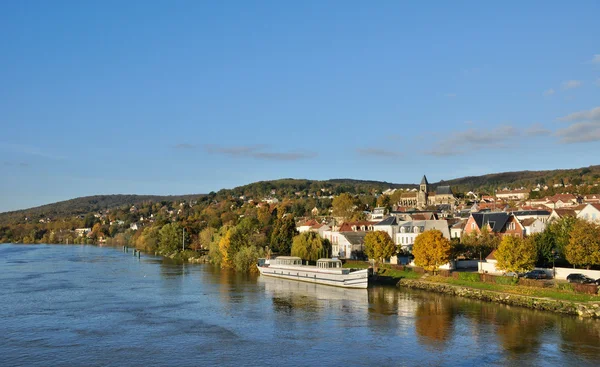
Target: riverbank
{"type": "Point", "coordinates": [590, 309]}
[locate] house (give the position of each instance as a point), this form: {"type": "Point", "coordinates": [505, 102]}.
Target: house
{"type": "Point", "coordinates": [82, 231]}
{"type": "Point", "coordinates": [389, 225]}
{"type": "Point", "coordinates": [348, 245]}
{"type": "Point", "coordinates": [306, 225]}
{"type": "Point", "coordinates": [561, 213]}
{"type": "Point", "coordinates": [358, 226]}
{"type": "Point", "coordinates": [533, 225]}
{"type": "Point", "coordinates": [377, 214]}
{"type": "Point", "coordinates": [562, 200]}
{"type": "Point", "coordinates": [457, 229]}
{"type": "Point", "coordinates": [134, 226]}
{"type": "Point", "coordinates": [314, 211]}
{"type": "Point", "coordinates": [522, 194]}
{"type": "Point", "coordinates": [497, 222]}
{"type": "Point", "coordinates": [591, 213]}
{"type": "Point", "coordinates": [489, 265]}
{"type": "Point", "coordinates": [408, 231]}
{"type": "Point", "coordinates": [543, 215]}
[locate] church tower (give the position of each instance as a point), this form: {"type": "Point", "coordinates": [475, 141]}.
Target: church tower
{"type": "Point", "coordinates": [423, 193]}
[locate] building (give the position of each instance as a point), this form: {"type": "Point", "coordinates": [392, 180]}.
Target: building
{"type": "Point", "coordinates": [499, 223]}
{"type": "Point", "coordinates": [424, 197]}
{"type": "Point", "coordinates": [408, 231]}
{"type": "Point", "coordinates": [533, 225]}
{"type": "Point", "coordinates": [522, 194]}
{"type": "Point", "coordinates": [542, 215]}
{"type": "Point", "coordinates": [591, 213]}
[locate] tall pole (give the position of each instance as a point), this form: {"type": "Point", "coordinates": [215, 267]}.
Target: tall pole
{"type": "Point", "coordinates": [183, 240]}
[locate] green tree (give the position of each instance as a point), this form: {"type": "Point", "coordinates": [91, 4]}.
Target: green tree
{"type": "Point", "coordinates": [584, 244]}
{"type": "Point", "coordinates": [343, 206]}
{"type": "Point", "coordinates": [559, 233]}
{"type": "Point", "coordinates": [171, 237]}
{"type": "Point", "coordinates": [481, 243]}
{"type": "Point", "coordinates": [431, 250]}
{"type": "Point", "coordinates": [283, 234]}
{"type": "Point", "coordinates": [308, 246]}
{"type": "Point", "coordinates": [246, 258]}
{"type": "Point", "coordinates": [379, 246]}
{"type": "Point", "coordinates": [516, 254]}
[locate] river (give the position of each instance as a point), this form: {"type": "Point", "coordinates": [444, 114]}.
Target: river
{"type": "Point", "coordinates": [93, 306]}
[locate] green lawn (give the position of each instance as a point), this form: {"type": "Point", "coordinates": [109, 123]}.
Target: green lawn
{"type": "Point", "coordinates": [356, 265]}
{"type": "Point", "coordinates": [393, 273]}
{"type": "Point", "coordinates": [553, 293]}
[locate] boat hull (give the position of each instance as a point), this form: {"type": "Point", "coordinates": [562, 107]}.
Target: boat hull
{"type": "Point", "coordinates": [355, 279]}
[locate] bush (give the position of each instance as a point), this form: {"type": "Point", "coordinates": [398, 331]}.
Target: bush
{"type": "Point", "coordinates": [532, 283]}
{"type": "Point", "coordinates": [445, 273]}
{"type": "Point", "coordinates": [419, 270]}
{"type": "Point", "coordinates": [470, 277]}
{"type": "Point", "coordinates": [506, 280]}
{"type": "Point", "coordinates": [585, 288]}
{"type": "Point", "coordinates": [565, 286]}
{"type": "Point", "coordinates": [246, 258]}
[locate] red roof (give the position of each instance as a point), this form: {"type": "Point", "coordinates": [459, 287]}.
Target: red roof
{"type": "Point", "coordinates": [310, 223]}
{"type": "Point", "coordinates": [491, 256]}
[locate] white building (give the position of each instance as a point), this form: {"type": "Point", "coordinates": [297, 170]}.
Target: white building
{"type": "Point", "coordinates": [591, 213]}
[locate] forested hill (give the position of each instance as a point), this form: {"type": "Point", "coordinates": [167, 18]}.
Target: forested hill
{"type": "Point", "coordinates": [301, 188]}
{"type": "Point", "coordinates": [89, 204]}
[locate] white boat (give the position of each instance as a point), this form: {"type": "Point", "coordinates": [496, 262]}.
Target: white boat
{"type": "Point", "coordinates": [327, 271]}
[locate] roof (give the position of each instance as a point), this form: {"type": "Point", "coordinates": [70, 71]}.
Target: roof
{"type": "Point", "coordinates": [596, 206]}
{"type": "Point", "coordinates": [390, 221]}
{"type": "Point", "coordinates": [460, 224]}
{"type": "Point", "coordinates": [563, 197]}
{"type": "Point", "coordinates": [355, 238]}
{"type": "Point", "coordinates": [528, 221]}
{"type": "Point", "coordinates": [347, 226]}
{"type": "Point", "coordinates": [309, 223]}
{"type": "Point", "coordinates": [495, 220]}
{"type": "Point", "coordinates": [491, 256]}
{"type": "Point", "coordinates": [424, 181]}
{"type": "Point", "coordinates": [565, 212]}
{"type": "Point", "coordinates": [521, 213]}
{"type": "Point", "coordinates": [443, 190]}
{"type": "Point", "coordinates": [520, 191]}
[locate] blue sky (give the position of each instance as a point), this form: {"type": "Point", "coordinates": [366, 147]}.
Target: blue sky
{"type": "Point", "coordinates": [159, 97]}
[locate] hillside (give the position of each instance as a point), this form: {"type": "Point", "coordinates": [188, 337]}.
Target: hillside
{"type": "Point", "coordinates": [291, 188]}
{"type": "Point", "coordinates": [88, 204]}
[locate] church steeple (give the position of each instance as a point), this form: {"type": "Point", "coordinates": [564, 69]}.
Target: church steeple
{"type": "Point", "coordinates": [424, 187]}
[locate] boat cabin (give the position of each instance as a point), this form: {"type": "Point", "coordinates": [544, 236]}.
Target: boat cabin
{"type": "Point", "coordinates": [288, 260]}
{"type": "Point", "coordinates": [329, 263]}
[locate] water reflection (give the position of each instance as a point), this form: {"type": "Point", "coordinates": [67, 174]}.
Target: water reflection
{"type": "Point", "coordinates": [434, 320]}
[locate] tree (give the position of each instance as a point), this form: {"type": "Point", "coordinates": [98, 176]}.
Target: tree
{"type": "Point", "coordinates": [583, 248]}
{"type": "Point", "coordinates": [480, 243]}
{"type": "Point", "coordinates": [516, 255]}
{"type": "Point", "coordinates": [224, 245]}
{"type": "Point", "coordinates": [170, 238]}
{"type": "Point", "coordinates": [343, 206]}
{"type": "Point", "coordinates": [431, 250]}
{"type": "Point", "coordinates": [559, 233]}
{"type": "Point", "coordinates": [308, 246]}
{"type": "Point", "coordinates": [379, 245]}
{"type": "Point", "coordinates": [283, 234]}
{"type": "Point", "coordinates": [383, 201]}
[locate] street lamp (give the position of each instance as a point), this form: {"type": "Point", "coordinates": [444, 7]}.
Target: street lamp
{"type": "Point", "coordinates": [553, 268]}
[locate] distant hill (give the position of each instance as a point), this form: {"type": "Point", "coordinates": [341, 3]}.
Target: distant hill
{"type": "Point", "coordinates": [89, 204]}
{"type": "Point", "coordinates": [290, 188]}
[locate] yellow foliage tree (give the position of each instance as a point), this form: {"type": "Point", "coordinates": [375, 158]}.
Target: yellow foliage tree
{"type": "Point", "coordinates": [583, 248]}
{"type": "Point", "coordinates": [379, 245]}
{"type": "Point", "coordinates": [431, 250]}
{"type": "Point", "coordinates": [224, 244]}
{"type": "Point", "coordinates": [343, 206]}
{"type": "Point", "coordinates": [516, 254]}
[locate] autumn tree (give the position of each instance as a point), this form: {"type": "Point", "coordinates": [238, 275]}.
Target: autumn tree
{"type": "Point", "coordinates": [309, 246]}
{"type": "Point", "coordinates": [558, 233]}
{"type": "Point", "coordinates": [482, 242]}
{"type": "Point", "coordinates": [343, 206]}
{"type": "Point", "coordinates": [283, 234]}
{"type": "Point", "coordinates": [379, 246]}
{"type": "Point", "coordinates": [224, 245]}
{"type": "Point", "coordinates": [516, 254]}
{"type": "Point", "coordinates": [171, 237]}
{"type": "Point", "coordinates": [583, 248]}
{"type": "Point", "coordinates": [431, 250]}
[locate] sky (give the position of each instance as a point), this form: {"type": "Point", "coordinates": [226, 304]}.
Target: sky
{"type": "Point", "coordinates": [184, 97]}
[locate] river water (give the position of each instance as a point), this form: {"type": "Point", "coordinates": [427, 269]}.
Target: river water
{"type": "Point", "coordinates": [93, 306]}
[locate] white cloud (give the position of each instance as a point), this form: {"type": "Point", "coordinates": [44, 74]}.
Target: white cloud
{"type": "Point", "coordinates": [585, 127]}
{"type": "Point", "coordinates": [593, 114]}
{"type": "Point", "coordinates": [549, 92]}
{"type": "Point", "coordinates": [377, 152]}
{"type": "Point", "coordinates": [537, 129]}
{"type": "Point", "coordinates": [462, 142]}
{"type": "Point", "coordinates": [571, 84]}
{"type": "Point", "coordinates": [258, 152]}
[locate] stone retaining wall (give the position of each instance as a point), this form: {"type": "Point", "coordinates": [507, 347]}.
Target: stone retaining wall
{"type": "Point", "coordinates": [591, 309]}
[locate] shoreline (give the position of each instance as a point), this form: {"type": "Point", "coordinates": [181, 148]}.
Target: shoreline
{"type": "Point", "coordinates": [581, 309]}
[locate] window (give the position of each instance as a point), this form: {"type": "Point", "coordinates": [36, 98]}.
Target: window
{"type": "Point", "coordinates": [472, 225]}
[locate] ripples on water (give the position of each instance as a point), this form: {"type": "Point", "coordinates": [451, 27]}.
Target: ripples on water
{"type": "Point", "coordinates": [92, 306]}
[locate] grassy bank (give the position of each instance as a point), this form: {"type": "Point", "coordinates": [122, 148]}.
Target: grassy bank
{"type": "Point", "coordinates": [553, 293]}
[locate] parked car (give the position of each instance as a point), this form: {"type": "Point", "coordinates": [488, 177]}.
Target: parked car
{"type": "Point", "coordinates": [535, 274]}
{"type": "Point", "coordinates": [583, 279]}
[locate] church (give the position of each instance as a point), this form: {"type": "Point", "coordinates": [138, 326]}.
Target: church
{"type": "Point", "coordinates": [424, 197]}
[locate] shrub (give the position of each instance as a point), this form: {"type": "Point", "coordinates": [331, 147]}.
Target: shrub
{"type": "Point", "coordinates": [585, 288]}
{"type": "Point", "coordinates": [565, 286]}
{"type": "Point", "coordinates": [445, 273]}
{"type": "Point", "coordinates": [506, 280]}
{"type": "Point", "coordinates": [470, 277]}
{"type": "Point", "coordinates": [532, 283]}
